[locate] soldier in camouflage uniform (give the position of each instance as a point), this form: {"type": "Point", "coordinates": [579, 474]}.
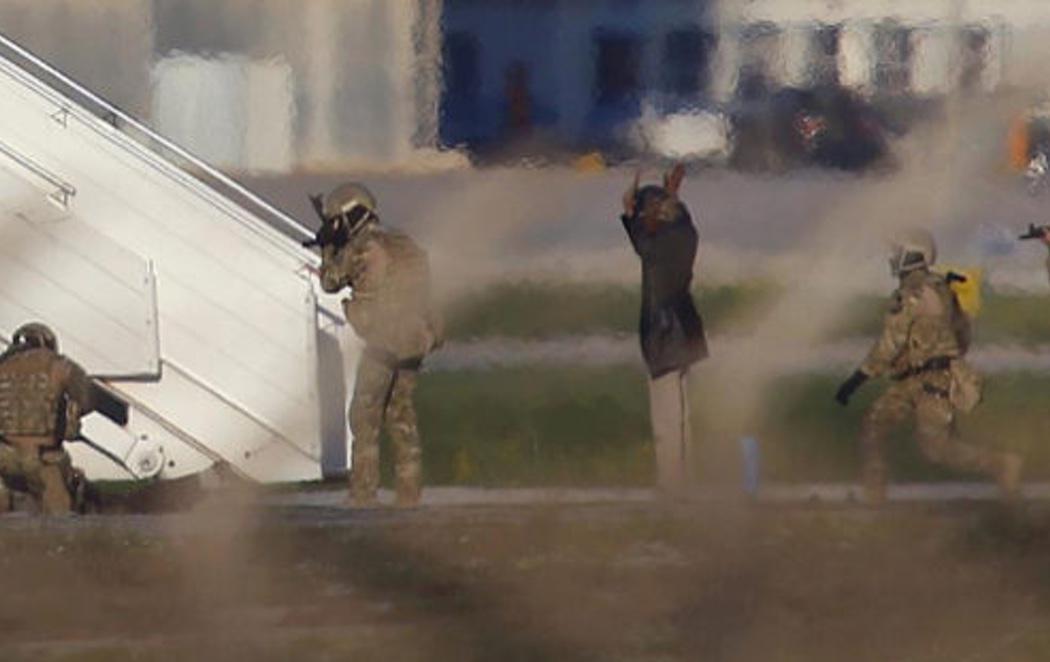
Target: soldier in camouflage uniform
{"type": "Point", "coordinates": [390, 309]}
{"type": "Point", "coordinates": [924, 337]}
{"type": "Point", "coordinates": [1045, 231]}
{"type": "Point", "coordinates": [42, 397]}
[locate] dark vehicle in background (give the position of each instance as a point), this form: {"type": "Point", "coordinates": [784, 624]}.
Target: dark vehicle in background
{"type": "Point", "coordinates": [828, 127]}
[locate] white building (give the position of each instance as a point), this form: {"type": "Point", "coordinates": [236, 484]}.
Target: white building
{"type": "Point", "coordinates": [589, 64]}
{"type": "Point", "coordinates": [282, 85]}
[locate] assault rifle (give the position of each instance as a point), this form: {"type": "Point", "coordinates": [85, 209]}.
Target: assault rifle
{"type": "Point", "coordinates": [1034, 232]}
{"type": "Point", "coordinates": [329, 234]}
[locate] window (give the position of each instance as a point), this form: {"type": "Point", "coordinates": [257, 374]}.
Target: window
{"type": "Point", "coordinates": [685, 62]}
{"type": "Point", "coordinates": [893, 53]}
{"type": "Point", "coordinates": [758, 44]}
{"type": "Point", "coordinates": [462, 68]}
{"type": "Point", "coordinates": [826, 55]}
{"type": "Point", "coordinates": [461, 98]}
{"type": "Point", "coordinates": [975, 44]}
{"type": "Point", "coordinates": [617, 63]}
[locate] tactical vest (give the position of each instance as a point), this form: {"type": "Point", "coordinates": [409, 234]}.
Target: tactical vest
{"type": "Point", "coordinates": [939, 327]}
{"type": "Point", "coordinates": [31, 390]}
{"type": "Point", "coordinates": [402, 303]}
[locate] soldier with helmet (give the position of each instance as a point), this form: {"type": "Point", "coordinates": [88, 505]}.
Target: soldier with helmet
{"type": "Point", "coordinates": [390, 310]}
{"type": "Point", "coordinates": [924, 338]}
{"type": "Point", "coordinates": [42, 397]}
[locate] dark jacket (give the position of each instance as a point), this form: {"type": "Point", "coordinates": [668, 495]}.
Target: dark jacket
{"type": "Point", "coordinates": [670, 329]}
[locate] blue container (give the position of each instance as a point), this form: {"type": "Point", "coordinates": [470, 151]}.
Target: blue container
{"type": "Point", "coordinates": [751, 457]}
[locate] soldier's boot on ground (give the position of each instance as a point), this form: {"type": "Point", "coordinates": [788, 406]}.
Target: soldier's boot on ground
{"type": "Point", "coordinates": [363, 499]}
{"type": "Point", "coordinates": [408, 476]}
{"type": "Point", "coordinates": [56, 471]}
{"type": "Point", "coordinates": [7, 502]}
{"type": "Point", "coordinates": [874, 489]}
{"type": "Point", "coordinates": [364, 502]}
{"type": "Point", "coordinates": [86, 498]}
{"type": "Point", "coordinates": [1009, 476]}
{"type": "Point", "coordinates": [364, 476]}
{"type": "Point", "coordinates": [875, 495]}
{"type": "Point", "coordinates": [409, 494]}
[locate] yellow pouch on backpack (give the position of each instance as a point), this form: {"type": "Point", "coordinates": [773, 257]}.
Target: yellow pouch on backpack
{"type": "Point", "coordinates": [968, 292]}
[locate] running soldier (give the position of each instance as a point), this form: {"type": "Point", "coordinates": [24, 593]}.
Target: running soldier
{"type": "Point", "coordinates": [390, 309]}
{"type": "Point", "coordinates": [924, 338]}
{"type": "Point", "coordinates": [42, 397]}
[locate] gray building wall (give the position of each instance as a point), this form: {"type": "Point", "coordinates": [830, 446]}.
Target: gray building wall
{"type": "Point", "coordinates": [105, 44]}
{"type": "Point", "coordinates": [365, 73]}
{"type": "Point", "coordinates": [360, 92]}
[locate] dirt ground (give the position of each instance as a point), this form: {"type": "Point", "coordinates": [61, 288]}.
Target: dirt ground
{"type": "Point", "coordinates": [243, 579]}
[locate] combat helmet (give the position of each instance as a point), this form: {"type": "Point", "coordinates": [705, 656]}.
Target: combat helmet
{"type": "Point", "coordinates": [352, 202]}
{"type": "Point", "coordinates": [911, 250]}
{"type": "Point", "coordinates": [35, 334]}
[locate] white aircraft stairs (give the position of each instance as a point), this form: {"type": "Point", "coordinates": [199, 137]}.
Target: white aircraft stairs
{"type": "Point", "coordinates": [188, 297]}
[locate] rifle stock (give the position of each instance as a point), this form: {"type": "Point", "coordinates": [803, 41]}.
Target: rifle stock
{"type": "Point", "coordinates": [327, 234]}
{"type": "Point", "coordinates": [1034, 232]}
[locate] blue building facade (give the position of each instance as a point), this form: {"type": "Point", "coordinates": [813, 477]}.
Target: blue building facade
{"type": "Point", "coordinates": [571, 71]}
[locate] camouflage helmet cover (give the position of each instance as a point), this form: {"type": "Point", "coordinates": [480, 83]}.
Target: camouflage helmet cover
{"type": "Point", "coordinates": [35, 334]}
{"type": "Point", "coordinates": [346, 196]}
{"type": "Point", "coordinates": [913, 249]}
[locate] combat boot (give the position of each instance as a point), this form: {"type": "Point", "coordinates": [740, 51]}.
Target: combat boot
{"type": "Point", "coordinates": [1010, 476]}
{"type": "Point", "coordinates": [86, 498]}
{"type": "Point", "coordinates": [874, 491]}
{"type": "Point", "coordinates": [364, 501]}
{"type": "Point", "coordinates": [408, 496]}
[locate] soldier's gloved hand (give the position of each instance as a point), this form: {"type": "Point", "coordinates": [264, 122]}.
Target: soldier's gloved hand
{"type": "Point", "coordinates": [849, 386]}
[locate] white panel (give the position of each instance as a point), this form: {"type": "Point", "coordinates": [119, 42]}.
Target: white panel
{"type": "Point", "coordinates": [232, 111]}
{"type": "Point", "coordinates": [796, 54]}
{"type": "Point", "coordinates": [58, 270]}
{"type": "Point", "coordinates": [934, 60]}
{"type": "Point", "coordinates": [726, 64]}
{"type": "Point", "coordinates": [856, 56]}
{"type": "Point", "coordinates": [271, 109]}
{"type": "Point", "coordinates": [227, 431]}
{"type": "Point", "coordinates": [199, 102]}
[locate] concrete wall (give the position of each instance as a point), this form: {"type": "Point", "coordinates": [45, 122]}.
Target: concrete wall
{"type": "Point", "coordinates": [360, 94]}
{"type": "Point", "coordinates": [1018, 34]}
{"type": "Point", "coordinates": [106, 44]}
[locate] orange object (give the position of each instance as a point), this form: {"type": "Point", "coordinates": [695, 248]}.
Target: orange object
{"type": "Point", "coordinates": [1017, 143]}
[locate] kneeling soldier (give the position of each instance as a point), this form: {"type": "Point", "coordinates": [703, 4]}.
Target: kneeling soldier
{"type": "Point", "coordinates": [42, 397]}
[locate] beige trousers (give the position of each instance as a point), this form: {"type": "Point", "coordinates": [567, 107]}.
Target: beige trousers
{"type": "Point", "coordinates": [669, 413]}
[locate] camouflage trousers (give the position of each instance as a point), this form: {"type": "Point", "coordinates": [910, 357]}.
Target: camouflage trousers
{"type": "Point", "coordinates": [925, 397]}
{"type": "Point", "coordinates": [46, 474]}
{"type": "Point", "coordinates": [383, 396]}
